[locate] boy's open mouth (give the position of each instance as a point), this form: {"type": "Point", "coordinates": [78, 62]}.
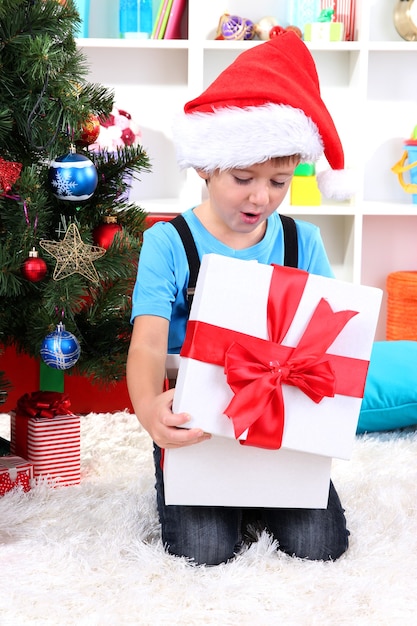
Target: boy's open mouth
{"type": "Point", "coordinates": [250, 218]}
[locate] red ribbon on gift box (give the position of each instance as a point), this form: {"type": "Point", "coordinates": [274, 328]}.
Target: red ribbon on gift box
{"type": "Point", "coordinates": [39, 404]}
{"type": "Point", "coordinates": [43, 404]}
{"type": "Point", "coordinates": [14, 472]}
{"type": "Point", "coordinates": [7, 484]}
{"type": "Point", "coordinates": [256, 368]}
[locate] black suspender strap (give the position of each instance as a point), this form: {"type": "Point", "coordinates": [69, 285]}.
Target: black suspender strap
{"type": "Point", "coordinates": [190, 248]}
{"type": "Point", "coordinates": [290, 241]}
{"type": "Point", "coordinates": [179, 223]}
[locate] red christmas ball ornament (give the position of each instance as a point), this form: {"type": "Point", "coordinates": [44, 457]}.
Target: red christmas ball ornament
{"type": "Point", "coordinates": [90, 131]}
{"type": "Point", "coordinates": [104, 233]}
{"type": "Point", "coordinates": [276, 31]}
{"type": "Point", "coordinates": [34, 268]}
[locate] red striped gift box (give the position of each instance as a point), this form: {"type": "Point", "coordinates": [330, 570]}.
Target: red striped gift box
{"type": "Point", "coordinates": [52, 446]}
{"type": "Point", "coordinates": [51, 442]}
{"type": "Point", "coordinates": [345, 12]}
{"type": "Point", "coordinates": [14, 472]}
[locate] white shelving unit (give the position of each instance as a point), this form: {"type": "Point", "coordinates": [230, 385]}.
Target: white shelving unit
{"type": "Point", "coordinates": [369, 85]}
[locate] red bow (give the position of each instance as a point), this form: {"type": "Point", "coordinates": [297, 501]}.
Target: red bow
{"type": "Point", "coordinates": [43, 404]}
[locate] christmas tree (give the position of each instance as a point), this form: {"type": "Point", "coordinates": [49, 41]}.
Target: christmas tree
{"type": "Point", "coordinates": [69, 238]}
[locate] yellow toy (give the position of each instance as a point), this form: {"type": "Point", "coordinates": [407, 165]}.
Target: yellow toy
{"type": "Point", "coordinates": [304, 189]}
{"type": "Point", "coordinates": [410, 155]}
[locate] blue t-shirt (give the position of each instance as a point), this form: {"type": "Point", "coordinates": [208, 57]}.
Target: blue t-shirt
{"type": "Point", "coordinates": [163, 273]}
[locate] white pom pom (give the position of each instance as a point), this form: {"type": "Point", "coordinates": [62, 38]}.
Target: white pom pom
{"type": "Point", "coordinates": [337, 184]}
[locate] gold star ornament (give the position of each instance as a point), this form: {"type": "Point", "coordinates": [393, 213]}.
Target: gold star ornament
{"type": "Point", "coordinates": [73, 256]}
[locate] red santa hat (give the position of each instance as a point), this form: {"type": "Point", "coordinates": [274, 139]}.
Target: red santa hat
{"type": "Point", "coordinates": [266, 104]}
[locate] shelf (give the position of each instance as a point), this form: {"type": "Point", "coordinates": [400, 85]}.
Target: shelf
{"type": "Point", "coordinates": [209, 44]}
{"type": "Point", "coordinates": [129, 44]}
{"type": "Point", "coordinates": [342, 208]}
{"type": "Point", "coordinates": [390, 208]}
{"type": "Point", "coordinates": [392, 46]}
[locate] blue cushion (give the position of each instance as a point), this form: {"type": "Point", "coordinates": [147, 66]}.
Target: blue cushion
{"type": "Point", "coordinates": [390, 399]}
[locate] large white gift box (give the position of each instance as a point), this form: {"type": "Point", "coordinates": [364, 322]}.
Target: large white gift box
{"type": "Point", "coordinates": [309, 311]}
{"type": "Point", "coordinates": [221, 472]}
{"type": "Point", "coordinates": [276, 358]}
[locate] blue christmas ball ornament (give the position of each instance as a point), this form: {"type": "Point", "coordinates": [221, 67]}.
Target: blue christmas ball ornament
{"type": "Point", "coordinates": [72, 177]}
{"type": "Point", "coordinates": [60, 349]}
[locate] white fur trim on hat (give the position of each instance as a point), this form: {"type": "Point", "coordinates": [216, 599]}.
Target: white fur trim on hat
{"type": "Point", "coordinates": [234, 137]}
{"type": "Point", "coordinates": [337, 184]}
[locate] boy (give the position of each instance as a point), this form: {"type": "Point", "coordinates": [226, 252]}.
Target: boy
{"type": "Point", "coordinates": [244, 136]}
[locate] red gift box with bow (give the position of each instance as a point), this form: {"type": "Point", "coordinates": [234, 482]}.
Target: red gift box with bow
{"type": "Point", "coordinates": [46, 432]}
{"type": "Point", "coordinates": [274, 360]}
{"type": "Point", "coordinates": [15, 472]}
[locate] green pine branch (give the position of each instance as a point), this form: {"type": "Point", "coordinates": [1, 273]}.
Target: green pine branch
{"type": "Point", "coordinates": [45, 100]}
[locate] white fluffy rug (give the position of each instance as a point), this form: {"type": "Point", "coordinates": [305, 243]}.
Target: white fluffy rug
{"type": "Point", "coordinates": [90, 555]}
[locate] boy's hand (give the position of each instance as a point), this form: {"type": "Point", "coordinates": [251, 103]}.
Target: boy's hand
{"type": "Point", "coordinates": [164, 426]}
